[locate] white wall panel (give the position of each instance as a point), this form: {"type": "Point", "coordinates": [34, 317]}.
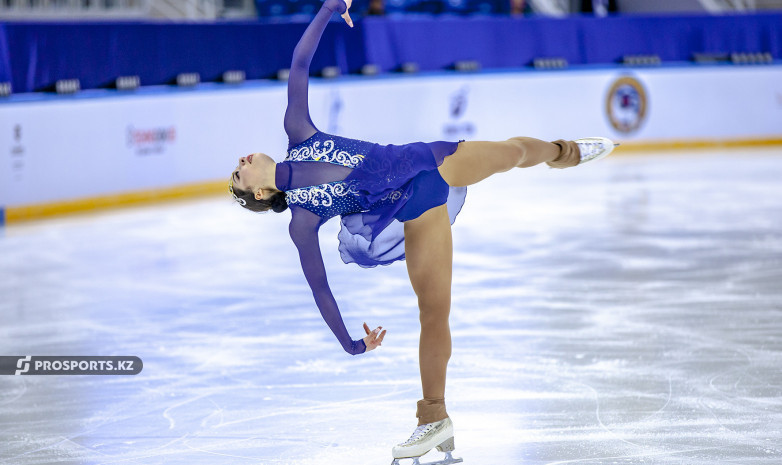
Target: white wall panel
{"type": "Point", "coordinates": [62, 149]}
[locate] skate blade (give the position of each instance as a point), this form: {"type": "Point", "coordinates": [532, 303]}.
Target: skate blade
{"type": "Point", "coordinates": [448, 460]}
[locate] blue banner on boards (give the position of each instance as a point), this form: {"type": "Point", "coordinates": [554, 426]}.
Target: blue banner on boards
{"type": "Point", "coordinates": [33, 55]}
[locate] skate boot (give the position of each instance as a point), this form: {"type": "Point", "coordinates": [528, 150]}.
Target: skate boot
{"type": "Point", "coordinates": [594, 148]}
{"type": "Point", "coordinates": [425, 438]}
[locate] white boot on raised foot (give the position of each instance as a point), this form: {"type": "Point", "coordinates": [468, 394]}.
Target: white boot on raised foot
{"type": "Point", "coordinates": [425, 438]}
{"type": "Point", "coordinates": [594, 148]}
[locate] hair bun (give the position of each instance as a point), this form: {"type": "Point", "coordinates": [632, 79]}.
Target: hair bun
{"type": "Point", "coordinates": [278, 202]}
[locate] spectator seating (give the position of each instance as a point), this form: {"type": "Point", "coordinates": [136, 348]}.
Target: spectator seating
{"type": "Point", "coordinates": [271, 8]}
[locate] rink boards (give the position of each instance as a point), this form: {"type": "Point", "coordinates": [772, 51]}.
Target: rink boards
{"type": "Point", "coordinates": [104, 149]}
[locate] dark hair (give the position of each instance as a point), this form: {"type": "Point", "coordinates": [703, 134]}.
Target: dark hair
{"type": "Point", "coordinates": [276, 202]}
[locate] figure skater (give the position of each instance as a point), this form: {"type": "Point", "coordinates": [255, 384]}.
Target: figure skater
{"type": "Point", "coordinates": [395, 203]}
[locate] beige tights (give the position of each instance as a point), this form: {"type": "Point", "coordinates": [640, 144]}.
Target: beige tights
{"type": "Point", "coordinates": [434, 299]}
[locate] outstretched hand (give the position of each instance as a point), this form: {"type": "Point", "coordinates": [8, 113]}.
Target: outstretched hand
{"type": "Point", "coordinates": [346, 17]}
{"type": "Point", "coordinates": [373, 340]}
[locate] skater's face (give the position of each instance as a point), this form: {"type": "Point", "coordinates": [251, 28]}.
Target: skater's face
{"type": "Point", "coordinates": [252, 170]}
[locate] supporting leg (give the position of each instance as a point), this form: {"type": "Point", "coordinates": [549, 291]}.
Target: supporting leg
{"type": "Point", "coordinates": [429, 258]}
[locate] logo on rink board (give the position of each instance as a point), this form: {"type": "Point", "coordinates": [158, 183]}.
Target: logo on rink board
{"type": "Point", "coordinates": [70, 365]}
{"type": "Point", "coordinates": [458, 127]}
{"type": "Point", "coordinates": [150, 141]}
{"type": "Point", "coordinates": [17, 153]}
{"type": "Point", "coordinates": [626, 104]}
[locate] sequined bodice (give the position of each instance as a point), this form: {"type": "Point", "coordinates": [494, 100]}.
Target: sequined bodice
{"type": "Point", "coordinates": [331, 198]}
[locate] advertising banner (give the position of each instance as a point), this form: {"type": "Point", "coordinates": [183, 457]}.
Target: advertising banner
{"type": "Point", "coordinates": [70, 148]}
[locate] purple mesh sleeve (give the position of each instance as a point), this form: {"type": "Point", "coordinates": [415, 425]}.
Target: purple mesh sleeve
{"type": "Point", "coordinates": [303, 229]}
{"type": "Point", "coordinates": [298, 124]}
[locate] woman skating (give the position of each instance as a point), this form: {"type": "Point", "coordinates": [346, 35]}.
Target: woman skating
{"type": "Point", "coordinates": [394, 202]}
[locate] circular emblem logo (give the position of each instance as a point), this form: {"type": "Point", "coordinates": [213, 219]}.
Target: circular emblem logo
{"type": "Point", "coordinates": [626, 104]}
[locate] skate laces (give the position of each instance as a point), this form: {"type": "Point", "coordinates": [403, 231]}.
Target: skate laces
{"type": "Point", "coordinates": [591, 149]}
{"type": "Point", "coordinates": [419, 431]}
{"type": "Point", "coordinates": [592, 146]}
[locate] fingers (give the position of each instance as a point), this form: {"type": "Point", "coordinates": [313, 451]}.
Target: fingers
{"type": "Point", "coordinates": [346, 17]}
{"type": "Point", "coordinates": [374, 338]}
{"type": "Point", "coordinates": [374, 331]}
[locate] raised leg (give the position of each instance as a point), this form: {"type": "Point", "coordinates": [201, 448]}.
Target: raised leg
{"type": "Point", "coordinates": [475, 161]}
{"type": "Point", "coordinates": [429, 258]}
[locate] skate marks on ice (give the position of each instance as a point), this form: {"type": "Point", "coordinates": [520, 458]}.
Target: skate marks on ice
{"type": "Point", "coordinates": [649, 333]}
{"type": "Point", "coordinates": [624, 312]}
{"type": "Point", "coordinates": [230, 373]}
{"type": "Point", "coordinates": [628, 321]}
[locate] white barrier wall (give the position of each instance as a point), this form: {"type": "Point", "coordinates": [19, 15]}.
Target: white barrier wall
{"type": "Point", "coordinates": [68, 148]}
{"type": "Point", "coordinates": [663, 104]}
{"type": "Point", "coordinates": [65, 148]}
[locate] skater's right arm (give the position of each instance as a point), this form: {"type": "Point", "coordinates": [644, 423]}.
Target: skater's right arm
{"type": "Point", "coordinates": [303, 229]}
{"type": "Point", "coordinates": [298, 124]}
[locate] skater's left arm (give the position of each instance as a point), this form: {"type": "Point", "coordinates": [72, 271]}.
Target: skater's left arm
{"type": "Point", "coordinates": [303, 229]}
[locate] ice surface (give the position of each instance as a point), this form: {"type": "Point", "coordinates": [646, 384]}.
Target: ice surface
{"type": "Point", "coordinates": [628, 311]}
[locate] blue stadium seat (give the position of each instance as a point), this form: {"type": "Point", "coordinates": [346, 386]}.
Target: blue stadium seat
{"type": "Point", "coordinates": [395, 6]}
{"type": "Point", "coordinates": [488, 7]}
{"type": "Point", "coordinates": [268, 8]}
{"type": "Point", "coordinates": [434, 7]}
{"type": "Point", "coordinates": [304, 7]}
{"type": "Point", "coordinates": [455, 6]}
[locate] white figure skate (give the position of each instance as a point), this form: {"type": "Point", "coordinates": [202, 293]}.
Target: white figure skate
{"type": "Point", "coordinates": [425, 438]}
{"type": "Point", "coordinates": [594, 148]}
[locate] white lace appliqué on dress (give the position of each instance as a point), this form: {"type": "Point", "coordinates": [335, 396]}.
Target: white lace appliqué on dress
{"type": "Point", "coordinates": [321, 195]}
{"type": "Point", "coordinates": [324, 151]}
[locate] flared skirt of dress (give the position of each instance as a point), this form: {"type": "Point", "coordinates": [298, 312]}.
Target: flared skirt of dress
{"type": "Point", "coordinates": [395, 183]}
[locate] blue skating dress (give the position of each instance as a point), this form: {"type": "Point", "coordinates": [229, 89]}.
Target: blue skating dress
{"type": "Point", "coordinates": [385, 186]}
{"type": "Point", "coordinates": [373, 188]}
